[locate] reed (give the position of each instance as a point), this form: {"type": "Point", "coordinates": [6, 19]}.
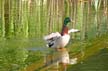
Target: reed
{"type": "Point", "coordinates": [33, 18]}
{"type": "Point", "coordinates": [36, 18]}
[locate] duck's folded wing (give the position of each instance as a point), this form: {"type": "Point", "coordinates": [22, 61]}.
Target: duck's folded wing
{"type": "Point", "coordinates": [52, 35]}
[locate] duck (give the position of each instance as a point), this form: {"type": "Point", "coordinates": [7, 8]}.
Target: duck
{"type": "Point", "coordinates": [60, 40]}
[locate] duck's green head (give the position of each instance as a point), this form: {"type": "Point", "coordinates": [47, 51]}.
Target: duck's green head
{"type": "Point", "coordinates": [67, 20]}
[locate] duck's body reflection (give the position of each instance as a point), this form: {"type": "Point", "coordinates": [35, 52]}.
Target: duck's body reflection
{"type": "Point", "coordinates": [59, 56]}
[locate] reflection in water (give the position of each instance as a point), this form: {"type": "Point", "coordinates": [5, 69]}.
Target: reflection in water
{"type": "Point", "coordinates": [32, 19]}
{"type": "Point", "coordinates": [59, 58]}
{"type": "Point", "coordinates": [96, 62]}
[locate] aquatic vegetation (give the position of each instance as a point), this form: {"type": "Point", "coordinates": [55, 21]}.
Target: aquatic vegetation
{"type": "Point", "coordinates": [12, 58]}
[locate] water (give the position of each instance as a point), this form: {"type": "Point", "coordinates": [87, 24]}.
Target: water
{"type": "Point", "coordinates": [23, 25]}
{"type": "Point", "coordinates": [97, 62]}
{"type": "Point", "coordinates": [17, 53]}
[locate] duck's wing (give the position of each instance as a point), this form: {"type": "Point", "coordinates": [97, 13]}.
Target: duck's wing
{"type": "Point", "coordinates": [73, 30]}
{"type": "Point", "coordinates": [52, 36]}
{"type": "Point", "coordinates": [51, 39]}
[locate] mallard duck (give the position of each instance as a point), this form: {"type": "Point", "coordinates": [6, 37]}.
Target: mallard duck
{"type": "Point", "coordinates": [60, 40]}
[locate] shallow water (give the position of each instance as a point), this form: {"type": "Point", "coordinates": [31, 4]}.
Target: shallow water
{"type": "Point", "coordinates": [96, 62]}
{"type": "Point", "coordinates": [17, 53]}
